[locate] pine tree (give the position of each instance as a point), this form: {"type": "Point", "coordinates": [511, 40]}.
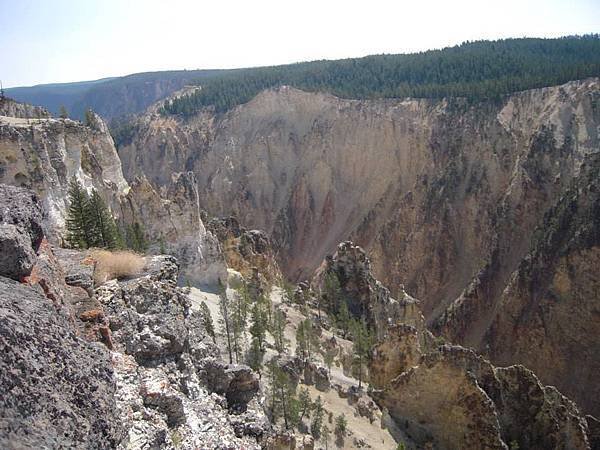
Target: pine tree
{"type": "Point", "coordinates": [90, 120]}
{"type": "Point", "coordinates": [362, 341]}
{"type": "Point", "coordinates": [328, 357]}
{"type": "Point", "coordinates": [304, 403]}
{"type": "Point", "coordinates": [332, 292]}
{"type": "Point", "coordinates": [278, 331]}
{"type": "Point", "coordinates": [343, 318]}
{"type": "Point", "coordinates": [325, 433]}
{"type": "Point", "coordinates": [341, 424]}
{"type": "Point", "coordinates": [63, 114]}
{"type": "Point", "coordinates": [207, 320]}
{"type": "Point", "coordinates": [283, 396]}
{"type": "Point", "coordinates": [307, 341]}
{"type": "Point", "coordinates": [255, 356]}
{"type": "Point", "coordinates": [225, 320]}
{"type": "Point", "coordinates": [317, 420]}
{"type": "Point", "coordinates": [103, 228]}
{"type": "Point", "coordinates": [259, 325]}
{"type": "Point", "coordinates": [238, 323]}
{"type": "Point", "coordinates": [78, 222]}
{"type": "Point", "coordinates": [136, 238]}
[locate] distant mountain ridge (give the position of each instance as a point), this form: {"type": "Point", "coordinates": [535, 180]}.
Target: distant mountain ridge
{"type": "Point", "coordinates": [110, 97]}
{"type": "Point", "coordinates": [476, 70]}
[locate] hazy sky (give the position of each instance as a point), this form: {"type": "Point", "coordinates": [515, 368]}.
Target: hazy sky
{"type": "Point", "coordinates": [74, 40]}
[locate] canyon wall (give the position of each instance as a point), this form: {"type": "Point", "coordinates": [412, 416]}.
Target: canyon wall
{"type": "Point", "coordinates": [445, 195]}
{"type": "Point", "coordinates": [45, 154]}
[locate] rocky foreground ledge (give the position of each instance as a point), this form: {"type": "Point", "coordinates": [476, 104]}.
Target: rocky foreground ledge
{"type": "Point", "coordinates": [125, 365]}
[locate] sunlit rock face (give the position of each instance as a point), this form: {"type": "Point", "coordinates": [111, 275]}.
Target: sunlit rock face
{"type": "Point", "coordinates": [171, 220]}
{"type": "Point", "coordinates": [45, 154]}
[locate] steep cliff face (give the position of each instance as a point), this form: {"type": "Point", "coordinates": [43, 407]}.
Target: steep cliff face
{"type": "Point", "coordinates": [447, 396]}
{"type": "Point", "coordinates": [445, 196]}
{"type": "Point", "coordinates": [548, 316]}
{"type": "Point", "coordinates": [418, 183]}
{"type": "Point", "coordinates": [171, 220]}
{"type": "Point", "coordinates": [45, 154]}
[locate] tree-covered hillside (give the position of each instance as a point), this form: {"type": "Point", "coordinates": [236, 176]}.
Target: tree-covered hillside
{"type": "Point", "coordinates": [475, 70]}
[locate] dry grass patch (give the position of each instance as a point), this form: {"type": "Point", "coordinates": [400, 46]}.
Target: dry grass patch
{"type": "Point", "coordinates": [119, 264]}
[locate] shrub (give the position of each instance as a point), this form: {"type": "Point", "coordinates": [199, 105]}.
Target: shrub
{"type": "Point", "coordinates": [111, 265]}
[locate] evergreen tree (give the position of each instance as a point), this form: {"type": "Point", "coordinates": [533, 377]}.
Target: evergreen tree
{"type": "Point", "coordinates": [343, 318]}
{"type": "Point", "coordinates": [103, 229]}
{"type": "Point", "coordinates": [238, 323]}
{"type": "Point", "coordinates": [307, 341]}
{"type": "Point", "coordinates": [78, 222]}
{"type": "Point", "coordinates": [332, 292]}
{"type": "Point", "coordinates": [255, 356]}
{"type": "Point", "coordinates": [225, 320]}
{"type": "Point", "coordinates": [207, 320]}
{"type": "Point", "coordinates": [325, 433]}
{"type": "Point", "coordinates": [362, 341]}
{"type": "Point", "coordinates": [283, 396]}
{"type": "Point", "coordinates": [317, 418]}
{"type": "Point", "coordinates": [328, 357]}
{"type": "Point", "coordinates": [341, 424]}
{"type": "Point", "coordinates": [259, 321]}
{"type": "Point", "coordinates": [277, 330]}
{"type": "Point", "coordinates": [90, 120]}
{"type": "Point", "coordinates": [136, 238]}
{"type": "Point", "coordinates": [304, 403]}
{"type": "Point", "coordinates": [63, 114]}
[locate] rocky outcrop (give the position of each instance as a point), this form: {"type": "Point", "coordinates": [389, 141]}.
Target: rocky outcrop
{"type": "Point", "coordinates": [21, 231]}
{"type": "Point", "coordinates": [246, 250]}
{"type": "Point", "coordinates": [56, 390]}
{"type": "Point", "coordinates": [445, 195]}
{"type": "Point", "coordinates": [445, 396]}
{"type": "Point", "coordinates": [126, 365]}
{"type": "Point", "coordinates": [11, 108]}
{"type": "Point", "coordinates": [166, 369]}
{"type": "Point", "coordinates": [455, 399]}
{"type": "Point", "coordinates": [171, 220]}
{"type": "Point", "coordinates": [364, 295]}
{"type": "Point", "coordinates": [44, 155]}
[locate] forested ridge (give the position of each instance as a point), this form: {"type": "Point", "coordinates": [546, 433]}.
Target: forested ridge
{"type": "Point", "coordinates": [474, 70]}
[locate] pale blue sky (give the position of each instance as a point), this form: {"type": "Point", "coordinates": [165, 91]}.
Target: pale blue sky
{"type": "Point", "coordinates": [74, 40]}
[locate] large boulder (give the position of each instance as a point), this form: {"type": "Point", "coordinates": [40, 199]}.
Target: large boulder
{"type": "Point", "coordinates": [237, 382]}
{"type": "Point", "coordinates": [21, 231]}
{"type": "Point", "coordinates": [56, 390]}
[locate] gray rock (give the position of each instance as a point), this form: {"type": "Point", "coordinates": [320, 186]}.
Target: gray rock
{"type": "Point", "coordinates": [17, 256]}
{"type": "Point", "coordinates": [21, 231]}
{"type": "Point", "coordinates": [21, 207]}
{"type": "Point", "coordinates": [78, 271]}
{"type": "Point", "coordinates": [237, 382]}
{"type": "Point", "coordinates": [321, 377]}
{"type": "Point", "coordinates": [56, 390]}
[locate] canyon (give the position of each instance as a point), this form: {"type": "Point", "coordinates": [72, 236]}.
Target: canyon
{"type": "Point", "coordinates": [445, 196]}
{"type": "Point", "coordinates": [470, 236]}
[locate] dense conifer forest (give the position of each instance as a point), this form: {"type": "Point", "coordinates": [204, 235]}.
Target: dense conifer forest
{"type": "Point", "coordinates": [474, 70]}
